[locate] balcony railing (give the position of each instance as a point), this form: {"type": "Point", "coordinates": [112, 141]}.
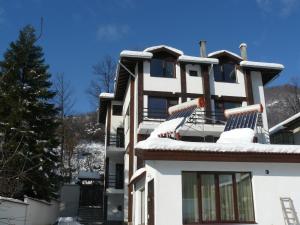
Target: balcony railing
{"type": "Point", "coordinates": [114, 181]}
{"type": "Point", "coordinates": [116, 141]}
{"type": "Point", "coordinates": [198, 117]}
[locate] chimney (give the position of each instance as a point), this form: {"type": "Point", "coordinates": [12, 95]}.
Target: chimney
{"type": "Point", "coordinates": [202, 44]}
{"type": "Point", "coordinates": [243, 48]}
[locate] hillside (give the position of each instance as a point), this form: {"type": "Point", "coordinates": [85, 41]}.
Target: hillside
{"type": "Point", "coordinates": [282, 102]}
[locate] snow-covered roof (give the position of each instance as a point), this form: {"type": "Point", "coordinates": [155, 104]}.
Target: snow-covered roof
{"type": "Point", "coordinates": [166, 144]}
{"type": "Point", "coordinates": [194, 59]}
{"type": "Point", "coordinates": [167, 128]}
{"type": "Point", "coordinates": [106, 95]}
{"type": "Point", "coordinates": [136, 54]}
{"type": "Point", "coordinates": [262, 65]}
{"type": "Point", "coordinates": [153, 48]}
{"type": "Point", "coordinates": [212, 54]}
{"type": "Point", "coordinates": [88, 175]}
{"type": "Point", "coordinates": [239, 135]}
{"type": "Point", "coordinates": [2, 199]}
{"type": "Point", "coordinates": [281, 125]}
{"type": "Point", "coordinates": [137, 173]}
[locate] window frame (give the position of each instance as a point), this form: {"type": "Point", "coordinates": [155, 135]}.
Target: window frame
{"type": "Point", "coordinates": [160, 114]}
{"type": "Point", "coordinates": [223, 73]}
{"type": "Point", "coordinates": [193, 70]}
{"type": "Point", "coordinates": [117, 110]}
{"type": "Point", "coordinates": [167, 59]}
{"type": "Point", "coordinates": [217, 197]}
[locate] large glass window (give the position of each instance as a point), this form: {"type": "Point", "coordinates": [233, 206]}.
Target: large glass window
{"type": "Point", "coordinates": [225, 73]}
{"type": "Point", "coordinates": [162, 68]}
{"type": "Point", "coordinates": [190, 198]}
{"type": "Point", "coordinates": [158, 107]}
{"type": "Point", "coordinates": [223, 197]}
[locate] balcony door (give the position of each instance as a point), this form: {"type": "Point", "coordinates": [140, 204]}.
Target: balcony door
{"type": "Point", "coordinates": [158, 106]}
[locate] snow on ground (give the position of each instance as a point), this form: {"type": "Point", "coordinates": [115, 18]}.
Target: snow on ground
{"type": "Point", "coordinates": [166, 144]}
{"type": "Point", "coordinates": [67, 221]}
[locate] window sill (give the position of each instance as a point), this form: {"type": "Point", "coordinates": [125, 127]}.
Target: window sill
{"type": "Point", "coordinates": [227, 82]}
{"type": "Point", "coordinates": [162, 77]}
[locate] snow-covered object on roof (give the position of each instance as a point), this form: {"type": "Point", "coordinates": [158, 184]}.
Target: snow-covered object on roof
{"type": "Point", "coordinates": [281, 125]}
{"type": "Point", "coordinates": [166, 144]}
{"type": "Point", "coordinates": [194, 59]}
{"type": "Point", "coordinates": [136, 54]}
{"type": "Point", "coordinates": [106, 95]}
{"type": "Point", "coordinates": [67, 221]}
{"type": "Point", "coordinates": [212, 54]}
{"type": "Point", "coordinates": [167, 128]}
{"type": "Point", "coordinates": [89, 175]}
{"type": "Point", "coordinates": [244, 109]}
{"type": "Point", "coordinates": [261, 65]}
{"type": "Point", "coordinates": [153, 48]}
{"type": "Point", "coordinates": [137, 173]}
{"type": "Point", "coordinates": [198, 102]}
{"type": "Point", "coordinates": [240, 135]}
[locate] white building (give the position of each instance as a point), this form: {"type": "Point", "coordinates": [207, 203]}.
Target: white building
{"type": "Point", "coordinates": [148, 83]}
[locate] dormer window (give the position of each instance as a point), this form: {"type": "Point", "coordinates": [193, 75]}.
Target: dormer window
{"type": "Point", "coordinates": [225, 73]}
{"type": "Point", "coordinates": [162, 68]}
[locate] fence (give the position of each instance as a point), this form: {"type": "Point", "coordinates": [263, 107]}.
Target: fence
{"type": "Point", "coordinates": [28, 212]}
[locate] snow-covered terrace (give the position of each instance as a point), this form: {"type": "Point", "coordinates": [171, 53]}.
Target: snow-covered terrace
{"type": "Point", "coordinates": [166, 144]}
{"type": "Point", "coordinates": [283, 124]}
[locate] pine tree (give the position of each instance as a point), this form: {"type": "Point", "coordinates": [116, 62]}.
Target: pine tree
{"type": "Point", "coordinates": [28, 123]}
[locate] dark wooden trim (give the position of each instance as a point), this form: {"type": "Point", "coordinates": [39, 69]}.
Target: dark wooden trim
{"type": "Point", "coordinates": [229, 98]}
{"type": "Point", "coordinates": [140, 91]}
{"type": "Point", "coordinates": [199, 197]}
{"type": "Point", "coordinates": [183, 81]}
{"type": "Point", "coordinates": [248, 86]}
{"type": "Point", "coordinates": [131, 147]}
{"type": "Point", "coordinates": [108, 123]}
{"type": "Point", "coordinates": [218, 198]}
{"type": "Point", "coordinates": [161, 94]}
{"type": "Point", "coordinates": [138, 178]}
{"type": "Point", "coordinates": [151, 203]}
{"type": "Point", "coordinates": [235, 197]}
{"type": "Point", "coordinates": [206, 89]}
{"type": "Point", "coordinates": [175, 155]}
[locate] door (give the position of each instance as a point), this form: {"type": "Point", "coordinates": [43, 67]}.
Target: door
{"type": "Point", "coordinates": [119, 176]}
{"type": "Point", "coordinates": [150, 203]}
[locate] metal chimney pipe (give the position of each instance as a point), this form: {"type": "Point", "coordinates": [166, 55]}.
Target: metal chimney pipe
{"type": "Point", "coordinates": [202, 44]}
{"type": "Point", "coordinates": [243, 48]}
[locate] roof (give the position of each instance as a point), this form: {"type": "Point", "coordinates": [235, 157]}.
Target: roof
{"type": "Point", "coordinates": [166, 144]}
{"type": "Point", "coordinates": [284, 123]}
{"type": "Point", "coordinates": [161, 47]}
{"type": "Point", "coordinates": [107, 95]}
{"type": "Point", "coordinates": [136, 54]}
{"type": "Point", "coordinates": [221, 52]}
{"type": "Point", "coordinates": [261, 65]}
{"type": "Point", "coordinates": [194, 59]}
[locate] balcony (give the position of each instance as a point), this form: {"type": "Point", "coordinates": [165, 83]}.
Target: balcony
{"type": "Point", "coordinates": [114, 184]}
{"type": "Point", "coordinates": [116, 141]}
{"type": "Point", "coordinates": [198, 117]}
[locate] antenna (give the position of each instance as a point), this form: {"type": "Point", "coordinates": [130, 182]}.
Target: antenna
{"type": "Point", "coordinates": [41, 29]}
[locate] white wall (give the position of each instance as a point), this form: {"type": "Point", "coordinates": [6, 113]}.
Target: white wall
{"type": "Point", "coordinates": [29, 212]}
{"type": "Point", "coordinates": [126, 181]}
{"type": "Point", "coordinates": [41, 212]}
{"type": "Point", "coordinates": [259, 97]}
{"type": "Point", "coordinates": [116, 121]}
{"type": "Point", "coordinates": [194, 84]}
{"type": "Point", "coordinates": [126, 117]}
{"type": "Point", "coordinates": [69, 197]}
{"type": "Point", "coordinates": [14, 211]}
{"type": "Point", "coordinates": [283, 181]}
{"type": "Point", "coordinates": [161, 83]}
{"type": "Point", "coordinates": [228, 89]}
{"type": "Point", "coordinates": [113, 202]}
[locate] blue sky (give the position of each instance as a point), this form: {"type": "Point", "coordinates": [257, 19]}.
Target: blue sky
{"type": "Point", "coordinates": [78, 33]}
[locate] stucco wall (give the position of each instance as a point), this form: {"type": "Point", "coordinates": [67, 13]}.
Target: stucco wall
{"type": "Point", "coordinates": [161, 83]}
{"type": "Point", "coordinates": [194, 84]}
{"type": "Point", "coordinates": [228, 89]}
{"type": "Point", "coordinates": [69, 197]}
{"type": "Point", "coordinates": [12, 212]}
{"type": "Point", "coordinates": [282, 181]}
{"type": "Point", "coordinates": [113, 202]}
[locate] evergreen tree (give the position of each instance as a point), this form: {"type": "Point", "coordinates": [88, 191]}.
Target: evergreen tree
{"type": "Point", "coordinates": [28, 121]}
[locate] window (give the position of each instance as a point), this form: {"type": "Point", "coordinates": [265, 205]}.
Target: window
{"type": "Point", "coordinates": [117, 110]}
{"type": "Point", "coordinates": [223, 197]}
{"type": "Point", "coordinates": [225, 73]}
{"type": "Point", "coordinates": [220, 106]}
{"type": "Point", "coordinates": [120, 137]}
{"type": "Point", "coordinates": [142, 217]}
{"type": "Point", "coordinates": [162, 68]}
{"type": "Point", "coordinates": [283, 137]}
{"type": "Point", "coordinates": [119, 176]}
{"type": "Point", "coordinates": [158, 107]}
{"type": "Point", "coordinates": [193, 73]}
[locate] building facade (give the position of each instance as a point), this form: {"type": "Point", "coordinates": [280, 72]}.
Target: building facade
{"type": "Point", "coordinates": [148, 83]}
